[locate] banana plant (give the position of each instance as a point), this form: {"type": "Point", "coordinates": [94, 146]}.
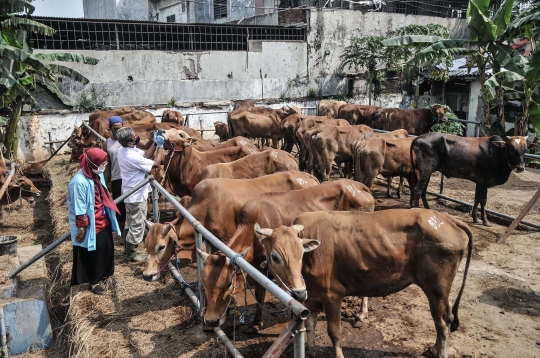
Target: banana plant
{"type": "Point", "coordinates": [487, 46]}
{"type": "Point", "coordinates": [23, 73]}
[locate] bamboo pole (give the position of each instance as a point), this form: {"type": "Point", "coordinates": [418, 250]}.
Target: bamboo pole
{"type": "Point", "coordinates": [8, 180]}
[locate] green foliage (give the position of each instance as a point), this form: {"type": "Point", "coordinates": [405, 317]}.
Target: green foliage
{"type": "Point", "coordinates": [90, 103]}
{"type": "Point", "coordinates": [451, 126]}
{"type": "Point", "coordinates": [341, 97]}
{"type": "Point", "coordinates": [171, 102]}
{"type": "Point", "coordinates": [283, 96]}
{"type": "Point", "coordinates": [22, 72]}
{"type": "Point", "coordinates": [312, 93]}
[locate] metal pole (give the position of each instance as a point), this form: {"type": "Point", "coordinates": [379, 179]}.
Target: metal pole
{"type": "Point", "coordinates": [299, 343]}
{"type": "Point", "coordinates": [100, 137]}
{"type": "Point", "coordinates": [296, 307]}
{"type": "Point", "coordinates": [200, 266]}
{"type": "Point", "coordinates": [221, 335]}
{"type": "Point", "coordinates": [68, 235]}
{"type": "Point", "coordinates": [155, 204]}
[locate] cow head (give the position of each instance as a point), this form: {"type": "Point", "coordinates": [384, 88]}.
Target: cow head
{"type": "Point", "coordinates": [28, 190]}
{"type": "Point", "coordinates": [287, 110]}
{"type": "Point", "coordinates": [160, 246]}
{"type": "Point", "coordinates": [284, 252]}
{"type": "Point", "coordinates": [220, 280]}
{"type": "Point", "coordinates": [176, 139]}
{"type": "Point", "coordinates": [439, 113]}
{"type": "Point", "coordinates": [222, 130]}
{"type": "Point", "coordinates": [173, 116]}
{"type": "Point", "coordinates": [515, 150]}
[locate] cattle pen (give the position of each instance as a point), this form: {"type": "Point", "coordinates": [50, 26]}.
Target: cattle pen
{"type": "Point", "coordinates": [294, 331]}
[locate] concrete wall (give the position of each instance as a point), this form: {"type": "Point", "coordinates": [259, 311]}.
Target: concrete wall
{"type": "Point", "coordinates": [267, 70]}
{"type": "Point", "coordinates": [116, 9]}
{"type": "Point", "coordinates": [330, 31]}
{"type": "Point", "coordinates": [262, 20]}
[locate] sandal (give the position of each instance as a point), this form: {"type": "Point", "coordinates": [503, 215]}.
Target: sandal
{"type": "Point", "coordinates": [97, 289]}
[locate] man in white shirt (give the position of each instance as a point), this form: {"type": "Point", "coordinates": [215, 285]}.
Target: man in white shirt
{"type": "Point", "coordinates": [115, 123]}
{"type": "Point", "coordinates": [134, 163]}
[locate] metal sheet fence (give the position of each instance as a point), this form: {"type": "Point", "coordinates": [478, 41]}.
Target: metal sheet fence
{"type": "Point", "coordinates": [82, 34]}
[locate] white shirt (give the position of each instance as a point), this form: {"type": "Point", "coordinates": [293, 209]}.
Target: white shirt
{"type": "Point", "coordinates": [133, 167]}
{"type": "Point", "coordinates": [112, 149]}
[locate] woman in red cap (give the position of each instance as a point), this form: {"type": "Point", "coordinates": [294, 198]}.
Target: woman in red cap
{"type": "Point", "coordinates": [92, 220]}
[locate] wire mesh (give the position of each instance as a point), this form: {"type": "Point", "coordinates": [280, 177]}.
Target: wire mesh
{"type": "Point", "coordinates": [79, 34]}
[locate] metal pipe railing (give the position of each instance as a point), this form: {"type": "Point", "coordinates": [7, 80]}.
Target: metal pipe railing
{"type": "Point", "coordinates": [296, 307]}
{"type": "Point", "coordinates": [68, 235]}
{"type": "Point", "coordinates": [100, 137]}
{"type": "Point", "coordinates": [217, 330]}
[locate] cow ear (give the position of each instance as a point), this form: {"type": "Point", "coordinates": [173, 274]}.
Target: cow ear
{"type": "Point", "coordinates": [298, 228]}
{"type": "Point", "coordinates": [166, 229]}
{"type": "Point", "coordinates": [192, 140]}
{"type": "Point", "coordinates": [148, 223]}
{"type": "Point", "coordinates": [532, 145]}
{"type": "Point", "coordinates": [246, 250]}
{"type": "Point", "coordinates": [203, 255]}
{"type": "Point", "coordinates": [499, 143]}
{"type": "Point", "coordinates": [310, 244]}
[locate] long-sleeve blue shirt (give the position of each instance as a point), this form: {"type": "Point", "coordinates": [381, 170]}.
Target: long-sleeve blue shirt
{"type": "Point", "coordinates": [80, 201]}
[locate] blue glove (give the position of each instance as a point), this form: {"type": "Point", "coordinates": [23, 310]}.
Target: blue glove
{"type": "Point", "coordinates": [159, 140]}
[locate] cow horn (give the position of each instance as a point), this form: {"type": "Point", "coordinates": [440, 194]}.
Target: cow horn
{"type": "Point", "coordinates": [166, 229]}
{"type": "Point", "coordinates": [148, 224]}
{"type": "Point", "coordinates": [203, 255]}
{"type": "Point", "coordinates": [298, 228]}
{"type": "Point", "coordinates": [264, 232]}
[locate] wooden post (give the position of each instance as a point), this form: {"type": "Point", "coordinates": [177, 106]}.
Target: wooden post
{"type": "Point", "coordinates": [8, 180]}
{"type": "Point", "coordinates": [520, 217]}
{"type": "Point", "coordinates": [281, 342]}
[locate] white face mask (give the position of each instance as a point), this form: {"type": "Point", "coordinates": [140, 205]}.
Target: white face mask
{"type": "Point", "coordinates": [100, 169]}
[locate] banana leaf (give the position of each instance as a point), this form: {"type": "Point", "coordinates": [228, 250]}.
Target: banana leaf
{"type": "Point", "coordinates": [533, 74]}
{"type": "Point", "coordinates": [23, 23]}
{"type": "Point", "coordinates": [9, 38]}
{"type": "Point", "coordinates": [534, 117]}
{"type": "Point", "coordinates": [67, 57]}
{"type": "Point", "coordinates": [16, 6]}
{"type": "Point", "coordinates": [21, 56]}
{"type": "Point", "coordinates": [501, 19]}
{"type": "Point", "coordinates": [69, 72]}
{"type": "Point", "coordinates": [480, 26]}
{"type": "Point", "coordinates": [411, 40]}
{"type": "Point", "coordinates": [52, 89]}
{"type": "Point", "coordinates": [3, 121]}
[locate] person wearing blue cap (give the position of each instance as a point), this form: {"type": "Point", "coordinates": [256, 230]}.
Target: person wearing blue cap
{"type": "Point", "coordinates": [115, 123]}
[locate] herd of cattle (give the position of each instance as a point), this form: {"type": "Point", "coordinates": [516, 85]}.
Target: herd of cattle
{"type": "Point", "coordinates": [320, 241]}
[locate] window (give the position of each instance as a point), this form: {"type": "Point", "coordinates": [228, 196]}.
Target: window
{"type": "Point", "coordinates": [183, 7]}
{"type": "Point", "coordinates": [171, 18]}
{"type": "Point", "coordinates": [220, 9]}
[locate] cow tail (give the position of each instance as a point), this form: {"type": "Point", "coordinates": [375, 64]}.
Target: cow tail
{"type": "Point", "coordinates": [455, 323]}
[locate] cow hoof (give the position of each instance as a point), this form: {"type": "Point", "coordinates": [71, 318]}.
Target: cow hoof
{"type": "Point", "coordinates": [253, 329]}
{"type": "Point", "coordinates": [487, 223]}
{"type": "Point", "coordinates": [398, 195]}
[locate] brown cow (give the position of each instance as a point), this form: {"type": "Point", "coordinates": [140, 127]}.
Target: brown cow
{"type": "Point", "coordinates": [356, 113]}
{"type": "Point", "coordinates": [260, 125]}
{"type": "Point", "coordinates": [487, 161]}
{"type": "Point", "coordinates": [19, 187]}
{"type": "Point", "coordinates": [234, 142]}
{"type": "Point", "coordinates": [216, 204]}
{"type": "Point", "coordinates": [271, 210]}
{"type": "Point", "coordinates": [243, 105]}
{"type": "Point", "coordinates": [290, 124]}
{"type": "Point", "coordinates": [370, 254]}
{"type": "Point", "coordinates": [414, 121]}
{"type": "Point", "coordinates": [253, 166]}
{"type": "Point", "coordinates": [387, 157]}
{"type": "Point", "coordinates": [307, 124]}
{"type": "Point", "coordinates": [185, 163]}
{"type": "Point", "coordinates": [328, 144]}
{"type": "Point", "coordinates": [222, 131]}
{"type": "Point", "coordinates": [173, 116]}
{"type": "Point", "coordinates": [329, 108]}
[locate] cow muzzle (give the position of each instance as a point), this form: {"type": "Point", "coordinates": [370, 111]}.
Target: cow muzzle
{"type": "Point", "coordinates": [151, 277]}
{"type": "Point", "coordinates": [299, 294]}
{"type": "Point", "coordinates": [214, 323]}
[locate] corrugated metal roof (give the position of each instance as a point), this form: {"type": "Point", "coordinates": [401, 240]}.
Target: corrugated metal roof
{"type": "Point", "coordinates": [459, 69]}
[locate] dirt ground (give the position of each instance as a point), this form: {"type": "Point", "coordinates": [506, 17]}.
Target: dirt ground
{"type": "Point", "coordinates": [499, 313]}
